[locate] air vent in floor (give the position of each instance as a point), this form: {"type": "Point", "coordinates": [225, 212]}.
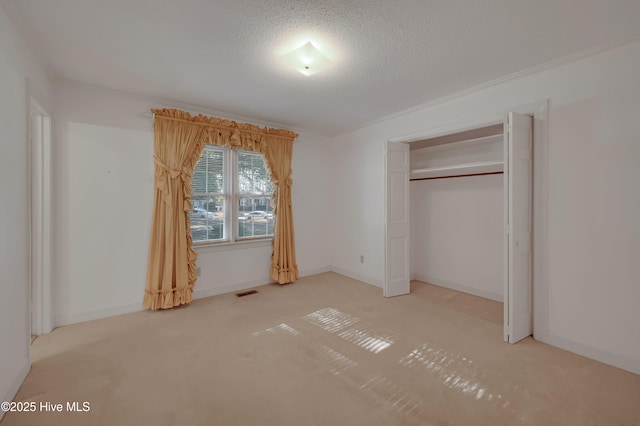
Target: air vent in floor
{"type": "Point", "coordinates": [246, 293]}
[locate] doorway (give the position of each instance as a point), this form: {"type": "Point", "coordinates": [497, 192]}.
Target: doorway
{"type": "Point", "coordinates": [39, 146]}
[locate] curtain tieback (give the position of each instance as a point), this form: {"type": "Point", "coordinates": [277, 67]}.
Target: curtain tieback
{"type": "Point", "coordinates": [165, 173]}
{"type": "Point", "coordinates": [172, 173]}
{"type": "Point", "coordinates": [288, 182]}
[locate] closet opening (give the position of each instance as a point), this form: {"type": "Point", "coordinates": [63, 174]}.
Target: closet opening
{"type": "Point", "coordinates": [456, 217]}
{"type": "Point", "coordinates": [462, 219]}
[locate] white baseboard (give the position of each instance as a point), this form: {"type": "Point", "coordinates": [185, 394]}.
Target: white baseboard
{"type": "Point", "coordinates": [231, 288]}
{"type": "Point", "coordinates": [68, 319]}
{"type": "Point", "coordinates": [215, 291]}
{"type": "Point", "coordinates": [359, 277]}
{"type": "Point", "coordinates": [460, 287]}
{"type": "Point", "coordinates": [198, 293]}
{"type": "Point", "coordinates": [315, 271]}
{"type": "Point", "coordinates": [592, 353]}
{"type": "Point", "coordinates": [11, 392]}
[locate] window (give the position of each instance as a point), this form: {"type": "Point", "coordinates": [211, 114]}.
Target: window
{"type": "Point", "coordinates": [231, 197]}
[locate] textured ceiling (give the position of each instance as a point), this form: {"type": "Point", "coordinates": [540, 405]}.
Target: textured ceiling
{"type": "Point", "coordinates": [387, 56]}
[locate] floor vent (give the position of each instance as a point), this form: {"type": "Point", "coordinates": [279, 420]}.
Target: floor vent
{"type": "Point", "coordinates": [246, 293]}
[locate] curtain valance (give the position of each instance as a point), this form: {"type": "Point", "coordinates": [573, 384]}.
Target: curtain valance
{"type": "Point", "coordinates": [228, 133]}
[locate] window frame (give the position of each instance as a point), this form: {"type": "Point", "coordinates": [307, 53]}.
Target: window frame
{"type": "Point", "coordinates": [232, 197]}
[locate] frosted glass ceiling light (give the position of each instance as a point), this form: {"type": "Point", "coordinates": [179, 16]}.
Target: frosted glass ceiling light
{"type": "Point", "coordinates": [307, 60]}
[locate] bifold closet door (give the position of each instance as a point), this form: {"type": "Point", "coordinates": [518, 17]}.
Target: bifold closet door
{"type": "Point", "coordinates": [518, 173]}
{"type": "Point", "coordinates": [397, 274]}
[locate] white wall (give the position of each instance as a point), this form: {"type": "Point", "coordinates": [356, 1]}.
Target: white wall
{"type": "Point", "coordinates": [21, 75]}
{"type": "Point", "coordinates": [358, 226]}
{"type": "Point", "coordinates": [456, 234]}
{"type": "Point", "coordinates": [313, 185]}
{"type": "Point", "coordinates": [103, 167]}
{"type": "Point", "coordinates": [586, 285]}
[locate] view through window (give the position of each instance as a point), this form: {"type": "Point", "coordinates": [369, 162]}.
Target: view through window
{"type": "Point", "coordinates": [231, 197]}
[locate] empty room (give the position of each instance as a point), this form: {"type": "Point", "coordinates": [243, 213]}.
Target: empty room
{"type": "Point", "coordinates": [319, 212]}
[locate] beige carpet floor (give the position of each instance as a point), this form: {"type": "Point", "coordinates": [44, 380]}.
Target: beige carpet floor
{"type": "Point", "coordinates": [327, 350]}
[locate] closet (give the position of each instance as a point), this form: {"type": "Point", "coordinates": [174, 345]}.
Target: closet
{"type": "Point", "coordinates": [459, 215]}
{"type": "Point", "coordinates": [456, 211]}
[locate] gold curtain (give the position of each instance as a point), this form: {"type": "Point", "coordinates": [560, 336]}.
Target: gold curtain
{"type": "Point", "coordinates": [179, 139]}
{"type": "Point", "coordinates": [171, 272]}
{"type": "Point", "coordinates": [283, 260]}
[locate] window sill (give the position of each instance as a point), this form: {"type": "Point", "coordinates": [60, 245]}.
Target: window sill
{"type": "Point", "coordinates": [229, 246]}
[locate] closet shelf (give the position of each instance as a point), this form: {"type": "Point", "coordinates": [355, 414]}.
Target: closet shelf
{"type": "Point", "coordinates": [458, 170]}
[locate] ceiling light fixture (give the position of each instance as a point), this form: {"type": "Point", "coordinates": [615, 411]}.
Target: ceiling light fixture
{"type": "Point", "coordinates": [307, 59]}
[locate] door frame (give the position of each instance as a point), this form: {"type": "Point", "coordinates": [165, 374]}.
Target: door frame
{"type": "Point", "coordinates": [539, 110]}
{"type": "Point", "coordinates": [40, 211]}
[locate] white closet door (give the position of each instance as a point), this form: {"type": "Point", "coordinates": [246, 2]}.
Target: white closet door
{"type": "Point", "coordinates": [518, 218]}
{"type": "Point", "coordinates": [396, 219]}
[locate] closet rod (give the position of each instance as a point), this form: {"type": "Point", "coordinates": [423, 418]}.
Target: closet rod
{"type": "Point", "coordinates": [456, 176]}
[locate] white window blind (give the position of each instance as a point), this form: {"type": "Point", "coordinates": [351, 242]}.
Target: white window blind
{"type": "Point", "coordinates": [231, 197]}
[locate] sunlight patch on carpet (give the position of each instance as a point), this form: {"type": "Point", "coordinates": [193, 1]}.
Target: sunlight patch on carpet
{"type": "Point", "coordinates": [367, 339]}
{"type": "Point", "coordinates": [331, 320]}
{"type": "Point", "coordinates": [455, 370]}
{"type": "Point", "coordinates": [278, 329]}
